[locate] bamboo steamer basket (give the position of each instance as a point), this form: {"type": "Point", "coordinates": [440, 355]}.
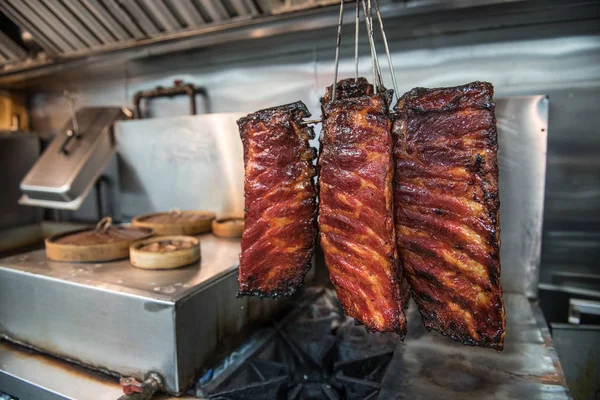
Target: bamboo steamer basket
{"type": "Point", "coordinates": [102, 243]}
{"type": "Point", "coordinates": [176, 222]}
{"type": "Point", "coordinates": [141, 256]}
{"type": "Point", "coordinates": [228, 227]}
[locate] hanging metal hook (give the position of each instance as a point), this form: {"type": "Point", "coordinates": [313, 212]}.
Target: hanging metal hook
{"type": "Point", "coordinates": [356, 31]}
{"type": "Point", "coordinates": [337, 50]}
{"type": "Point", "coordinates": [387, 49]}
{"type": "Point", "coordinates": [377, 82]}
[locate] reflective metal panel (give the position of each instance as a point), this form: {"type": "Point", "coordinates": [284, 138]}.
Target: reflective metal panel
{"type": "Point", "coordinates": [430, 366]}
{"type": "Point", "coordinates": [69, 167]}
{"type": "Point", "coordinates": [29, 375]}
{"type": "Point", "coordinates": [522, 139]}
{"type": "Point", "coordinates": [219, 257]}
{"type": "Point", "coordinates": [122, 320]}
{"type": "Point", "coordinates": [192, 162]}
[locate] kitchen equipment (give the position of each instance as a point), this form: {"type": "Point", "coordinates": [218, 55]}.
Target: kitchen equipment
{"type": "Point", "coordinates": [164, 252]}
{"type": "Point", "coordinates": [229, 227]}
{"type": "Point", "coordinates": [126, 321]}
{"type": "Point", "coordinates": [315, 352]}
{"type": "Point", "coordinates": [102, 243]}
{"type": "Point", "coordinates": [68, 169]}
{"type": "Point", "coordinates": [176, 222]}
{"type": "Point", "coordinates": [179, 323]}
{"type": "Point", "coordinates": [198, 157]}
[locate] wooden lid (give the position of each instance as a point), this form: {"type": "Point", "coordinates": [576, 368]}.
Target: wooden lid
{"type": "Point", "coordinates": [228, 227]}
{"type": "Point", "coordinates": [102, 243]}
{"type": "Point", "coordinates": [176, 222]}
{"type": "Point", "coordinates": [164, 252]}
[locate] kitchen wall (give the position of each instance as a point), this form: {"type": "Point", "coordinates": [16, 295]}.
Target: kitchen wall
{"type": "Point", "coordinates": [519, 54]}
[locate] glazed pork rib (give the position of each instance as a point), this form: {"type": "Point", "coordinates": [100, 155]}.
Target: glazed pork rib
{"type": "Point", "coordinates": [356, 220]}
{"type": "Point", "coordinates": [446, 206]}
{"type": "Point", "coordinates": [280, 194]}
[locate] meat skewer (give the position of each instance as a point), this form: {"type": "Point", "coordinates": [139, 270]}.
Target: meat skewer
{"type": "Point", "coordinates": [356, 220]}
{"type": "Point", "coordinates": [280, 194]}
{"type": "Point", "coordinates": [446, 206]}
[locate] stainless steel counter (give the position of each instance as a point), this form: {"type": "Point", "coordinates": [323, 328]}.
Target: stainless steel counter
{"type": "Point", "coordinates": [425, 366]}
{"type": "Point", "coordinates": [219, 256]}
{"type": "Point", "coordinates": [431, 366]}
{"type": "Point", "coordinates": [127, 321]}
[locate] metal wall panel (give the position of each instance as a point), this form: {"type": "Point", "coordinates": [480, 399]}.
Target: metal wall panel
{"type": "Point", "coordinates": [191, 162]}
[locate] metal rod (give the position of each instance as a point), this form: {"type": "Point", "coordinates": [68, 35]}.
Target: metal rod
{"type": "Point", "coordinates": [371, 45]}
{"type": "Point", "coordinates": [356, 30]}
{"type": "Point", "coordinates": [337, 50]}
{"type": "Point", "coordinates": [378, 67]}
{"type": "Point", "coordinates": [387, 49]}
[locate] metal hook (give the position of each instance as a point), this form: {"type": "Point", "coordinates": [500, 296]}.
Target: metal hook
{"type": "Point", "coordinates": [378, 67]}
{"type": "Point", "coordinates": [356, 31]}
{"type": "Point", "coordinates": [387, 49]}
{"type": "Point", "coordinates": [337, 50]}
{"type": "Point", "coordinates": [375, 63]}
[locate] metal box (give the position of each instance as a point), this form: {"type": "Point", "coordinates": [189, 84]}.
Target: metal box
{"type": "Point", "coordinates": [70, 166]}
{"type": "Point", "coordinates": [127, 321]}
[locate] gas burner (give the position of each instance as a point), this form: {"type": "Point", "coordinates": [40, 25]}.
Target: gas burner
{"type": "Point", "coordinates": [314, 353]}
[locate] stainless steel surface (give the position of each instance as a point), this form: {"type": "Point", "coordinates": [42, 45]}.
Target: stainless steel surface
{"type": "Point", "coordinates": [74, 28]}
{"type": "Point", "coordinates": [283, 6]}
{"type": "Point", "coordinates": [515, 13]}
{"type": "Point", "coordinates": [190, 162]}
{"type": "Point", "coordinates": [10, 52]}
{"type": "Point", "coordinates": [28, 375]}
{"type": "Point", "coordinates": [580, 306]}
{"type": "Point", "coordinates": [572, 207]}
{"type": "Point", "coordinates": [522, 124]}
{"type": "Point", "coordinates": [219, 257]}
{"type": "Point", "coordinates": [127, 321]}
{"type": "Point", "coordinates": [578, 348]}
{"type": "Point", "coordinates": [18, 152]}
{"type": "Point", "coordinates": [426, 366]}
{"type": "Point", "coordinates": [70, 166]}
{"type": "Point", "coordinates": [430, 366]}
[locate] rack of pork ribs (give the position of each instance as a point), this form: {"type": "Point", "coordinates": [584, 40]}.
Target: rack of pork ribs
{"type": "Point", "coordinates": [408, 202]}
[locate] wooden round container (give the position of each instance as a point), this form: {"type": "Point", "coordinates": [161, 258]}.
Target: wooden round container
{"type": "Point", "coordinates": [176, 222]}
{"type": "Point", "coordinates": [164, 252]}
{"type": "Point", "coordinates": [102, 243]}
{"type": "Point", "coordinates": [228, 227]}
